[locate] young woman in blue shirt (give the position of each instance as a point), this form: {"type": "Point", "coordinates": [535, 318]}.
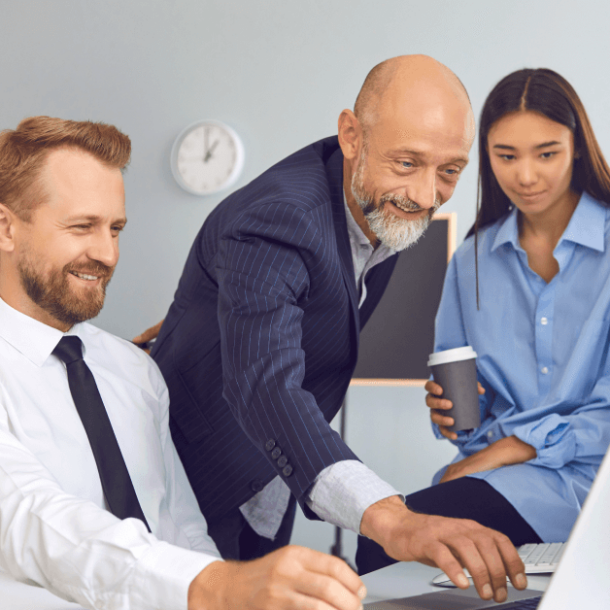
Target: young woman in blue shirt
{"type": "Point", "coordinates": [529, 290]}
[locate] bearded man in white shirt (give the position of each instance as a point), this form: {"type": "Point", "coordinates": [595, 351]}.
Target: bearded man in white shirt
{"type": "Point", "coordinates": [61, 212]}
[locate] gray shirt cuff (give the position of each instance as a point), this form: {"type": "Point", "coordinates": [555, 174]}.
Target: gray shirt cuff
{"type": "Point", "coordinates": [344, 490]}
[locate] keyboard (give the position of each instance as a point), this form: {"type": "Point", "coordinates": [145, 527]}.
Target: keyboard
{"type": "Point", "coordinates": [541, 558]}
{"type": "Point", "coordinates": [538, 559]}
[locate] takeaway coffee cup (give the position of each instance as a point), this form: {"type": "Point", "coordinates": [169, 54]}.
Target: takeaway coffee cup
{"type": "Point", "coordinates": [456, 372]}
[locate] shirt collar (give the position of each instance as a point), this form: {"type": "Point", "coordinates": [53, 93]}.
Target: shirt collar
{"type": "Point", "coordinates": [34, 339]}
{"type": "Point", "coordinates": [586, 227]}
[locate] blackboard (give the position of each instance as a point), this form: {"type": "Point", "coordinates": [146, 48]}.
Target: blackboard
{"type": "Point", "coordinates": [399, 336]}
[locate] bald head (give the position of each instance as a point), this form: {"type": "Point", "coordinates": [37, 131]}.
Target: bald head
{"type": "Point", "coordinates": [408, 79]}
{"type": "Point", "coordinates": [404, 147]}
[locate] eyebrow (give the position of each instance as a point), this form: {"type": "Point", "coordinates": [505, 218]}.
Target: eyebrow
{"type": "Point", "coordinates": [93, 219]}
{"type": "Point", "coordinates": [543, 145]}
{"type": "Point", "coordinates": [416, 153]}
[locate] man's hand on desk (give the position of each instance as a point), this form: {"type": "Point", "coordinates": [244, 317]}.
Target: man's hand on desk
{"type": "Point", "coordinates": [446, 543]}
{"type": "Point", "coordinates": [292, 577]}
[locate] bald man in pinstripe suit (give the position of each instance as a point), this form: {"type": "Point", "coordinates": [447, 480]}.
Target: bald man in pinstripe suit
{"type": "Point", "coordinates": [260, 343]}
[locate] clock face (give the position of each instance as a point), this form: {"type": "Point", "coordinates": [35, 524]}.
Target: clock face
{"type": "Point", "coordinates": [207, 157]}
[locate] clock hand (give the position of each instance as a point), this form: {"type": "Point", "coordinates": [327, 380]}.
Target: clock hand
{"type": "Point", "coordinates": [209, 153]}
{"type": "Point", "coordinates": [205, 144]}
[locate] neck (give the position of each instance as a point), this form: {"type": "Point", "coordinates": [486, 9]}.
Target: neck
{"type": "Point", "coordinates": [550, 224]}
{"type": "Point", "coordinates": [353, 205]}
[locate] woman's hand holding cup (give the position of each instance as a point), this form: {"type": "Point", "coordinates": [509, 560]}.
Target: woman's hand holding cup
{"type": "Point", "coordinates": [438, 404]}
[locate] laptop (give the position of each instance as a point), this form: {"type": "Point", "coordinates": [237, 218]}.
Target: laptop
{"type": "Point", "coordinates": [582, 578]}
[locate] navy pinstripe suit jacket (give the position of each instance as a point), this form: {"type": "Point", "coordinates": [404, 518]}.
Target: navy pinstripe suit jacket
{"type": "Point", "coordinates": [261, 340]}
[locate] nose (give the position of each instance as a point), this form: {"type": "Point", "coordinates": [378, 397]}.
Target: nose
{"type": "Point", "coordinates": [526, 173]}
{"type": "Point", "coordinates": [423, 190]}
{"type": "Point", "coordinates": [104, 248]}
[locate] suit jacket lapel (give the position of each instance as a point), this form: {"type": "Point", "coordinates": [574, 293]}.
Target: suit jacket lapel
{"type": "Point", "coordinates": [334, 171]}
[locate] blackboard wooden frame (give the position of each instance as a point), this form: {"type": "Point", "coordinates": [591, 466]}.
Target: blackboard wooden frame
{"type": "Point", "coordinates": [396, 354]}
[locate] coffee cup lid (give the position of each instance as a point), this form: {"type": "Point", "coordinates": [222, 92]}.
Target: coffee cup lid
{"type": "Point", "coordinates": [451, 355]}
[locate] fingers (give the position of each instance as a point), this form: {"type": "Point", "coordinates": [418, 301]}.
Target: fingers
{"type": "Point", "coordinates": [329, 591]}
{"type": "Point", "coordinates": [440, 419]}
{"type": "Point", "coordinates": [149, 334]}
{"type": "Point", "coordinates": [335, 568]}
{"type": "Point", "coordinates": [441, 404]}
{"type": "Point", "coordinates": [489, 556]}
{"type": "Point", "coordinates": [512, 562]}
{"type": "Point", "coordinates": [433, 388]}
{"type": "Point", "coordinates": [480, 388]}
{"type": "Point", "coordinates": [328, 580]}
{"type": "Point", "coordinates": [486, 567]}
{"type": "Point", "coordinates": [447, 433]}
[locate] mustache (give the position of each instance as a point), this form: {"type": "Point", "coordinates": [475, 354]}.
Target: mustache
{"type": "Point", "coordinates": [405, 202]}
{"type": "Point", "coordinates": [92, 268]}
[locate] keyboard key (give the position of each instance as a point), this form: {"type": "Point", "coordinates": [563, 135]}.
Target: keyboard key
{"type": "Point", "coordinates": [548, 557]}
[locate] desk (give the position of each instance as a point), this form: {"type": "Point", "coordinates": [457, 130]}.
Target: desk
{"type": "Point", "coordinates": [398, 580]}
{"type": "Point", "coordinates": [407, 579]}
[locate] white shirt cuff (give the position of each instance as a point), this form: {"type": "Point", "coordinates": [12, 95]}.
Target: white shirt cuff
{"type": "Point", "coordinates": [165, 574]}
{"type": "Point", "coordinates": [344, 490]}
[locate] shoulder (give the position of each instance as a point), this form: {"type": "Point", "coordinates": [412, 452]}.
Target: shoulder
{"type": "Point", "coordinates": [300, 181]}
{"type": "Point", "coordinates": [121, 358]}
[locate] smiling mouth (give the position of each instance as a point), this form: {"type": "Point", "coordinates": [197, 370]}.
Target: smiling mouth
{"type": "Point", "coordinates": [530, 195]}
{"type": "Point", "coordinates": [405, 208]}
{"type": "Point", "coordinates": [85, 276]}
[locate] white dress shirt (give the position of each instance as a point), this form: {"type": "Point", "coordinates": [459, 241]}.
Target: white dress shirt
{"type": "Point", "coordinates": [344, 490]}
{"type": "Point", "coordinates": [54, 529]}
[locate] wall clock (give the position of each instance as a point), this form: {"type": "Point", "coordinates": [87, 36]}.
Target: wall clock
{"type": "Point", "coordinates": [207, 157]}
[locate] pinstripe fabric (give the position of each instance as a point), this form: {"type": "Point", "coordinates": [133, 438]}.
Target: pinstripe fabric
{"type": "Point", "coordinates": [262, 337]}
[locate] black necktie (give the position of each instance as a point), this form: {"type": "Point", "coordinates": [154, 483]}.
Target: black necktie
{"type": "Point", "coordinates": [116, 483]}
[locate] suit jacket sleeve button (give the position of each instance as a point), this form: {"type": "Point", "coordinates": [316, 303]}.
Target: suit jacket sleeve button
{"type": "Point", "coordinates": [270, 444]}
{"type": "Point", "coordinates": [256, 485]}
{"type": "Point", "coordinates": [276, 453]}
{"type": "Point", "coordinates": [282, 461]}
{"type": "Point", "coordinates": [287, 470]}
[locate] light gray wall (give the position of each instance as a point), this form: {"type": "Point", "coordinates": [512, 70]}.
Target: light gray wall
{"type": "Point", "coordinates": [279, 72]}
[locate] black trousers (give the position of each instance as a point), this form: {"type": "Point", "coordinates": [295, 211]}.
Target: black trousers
{"type": "Point", "coordinates": [464, 498]}
{"type": "Point", "coordinates": [235, 538]}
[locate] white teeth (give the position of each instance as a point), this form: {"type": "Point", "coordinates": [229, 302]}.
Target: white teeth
{"type": "Point", "coordinates": [402, 207]}
{"type": "Point", "coordinates": [83, 276]}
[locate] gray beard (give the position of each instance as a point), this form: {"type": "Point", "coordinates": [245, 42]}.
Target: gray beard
{"type": "Point", "coordinates": [393, 232]}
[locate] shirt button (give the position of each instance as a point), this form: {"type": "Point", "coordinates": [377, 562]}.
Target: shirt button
{"type": "Point", "coordinates": [544, 321]}
{"type": "Point", "coordinates": [490, 434]}
{"type": "Point", "coordinates": [544, 370]}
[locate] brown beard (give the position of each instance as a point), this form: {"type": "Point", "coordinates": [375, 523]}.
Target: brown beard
{"type": "Point", "coordinates": [54, 295]}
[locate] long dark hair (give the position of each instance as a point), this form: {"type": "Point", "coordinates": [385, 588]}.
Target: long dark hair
{"type": "Point", "coordinates": [544, 91]}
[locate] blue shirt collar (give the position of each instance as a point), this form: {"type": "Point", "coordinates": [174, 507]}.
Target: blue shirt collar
{"type": "Point", "coordinates": [586, 227]}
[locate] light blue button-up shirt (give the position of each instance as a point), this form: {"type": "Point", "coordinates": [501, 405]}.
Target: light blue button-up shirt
{"type": "Point", "coordinates": [543, 359]}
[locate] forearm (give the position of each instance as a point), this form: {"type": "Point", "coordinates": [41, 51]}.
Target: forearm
{"type": "Point", "coordinates": [583, 436]}
{"type": "Point", "coordinates": [343, 492]}
{"type": "Point", "coordinates": [79, 551]}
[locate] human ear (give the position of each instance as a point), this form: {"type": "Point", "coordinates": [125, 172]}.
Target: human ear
{"type": "Point", "coordinates": [7, 229]}
{"type": "Point", "coordinates": [350, 134]}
